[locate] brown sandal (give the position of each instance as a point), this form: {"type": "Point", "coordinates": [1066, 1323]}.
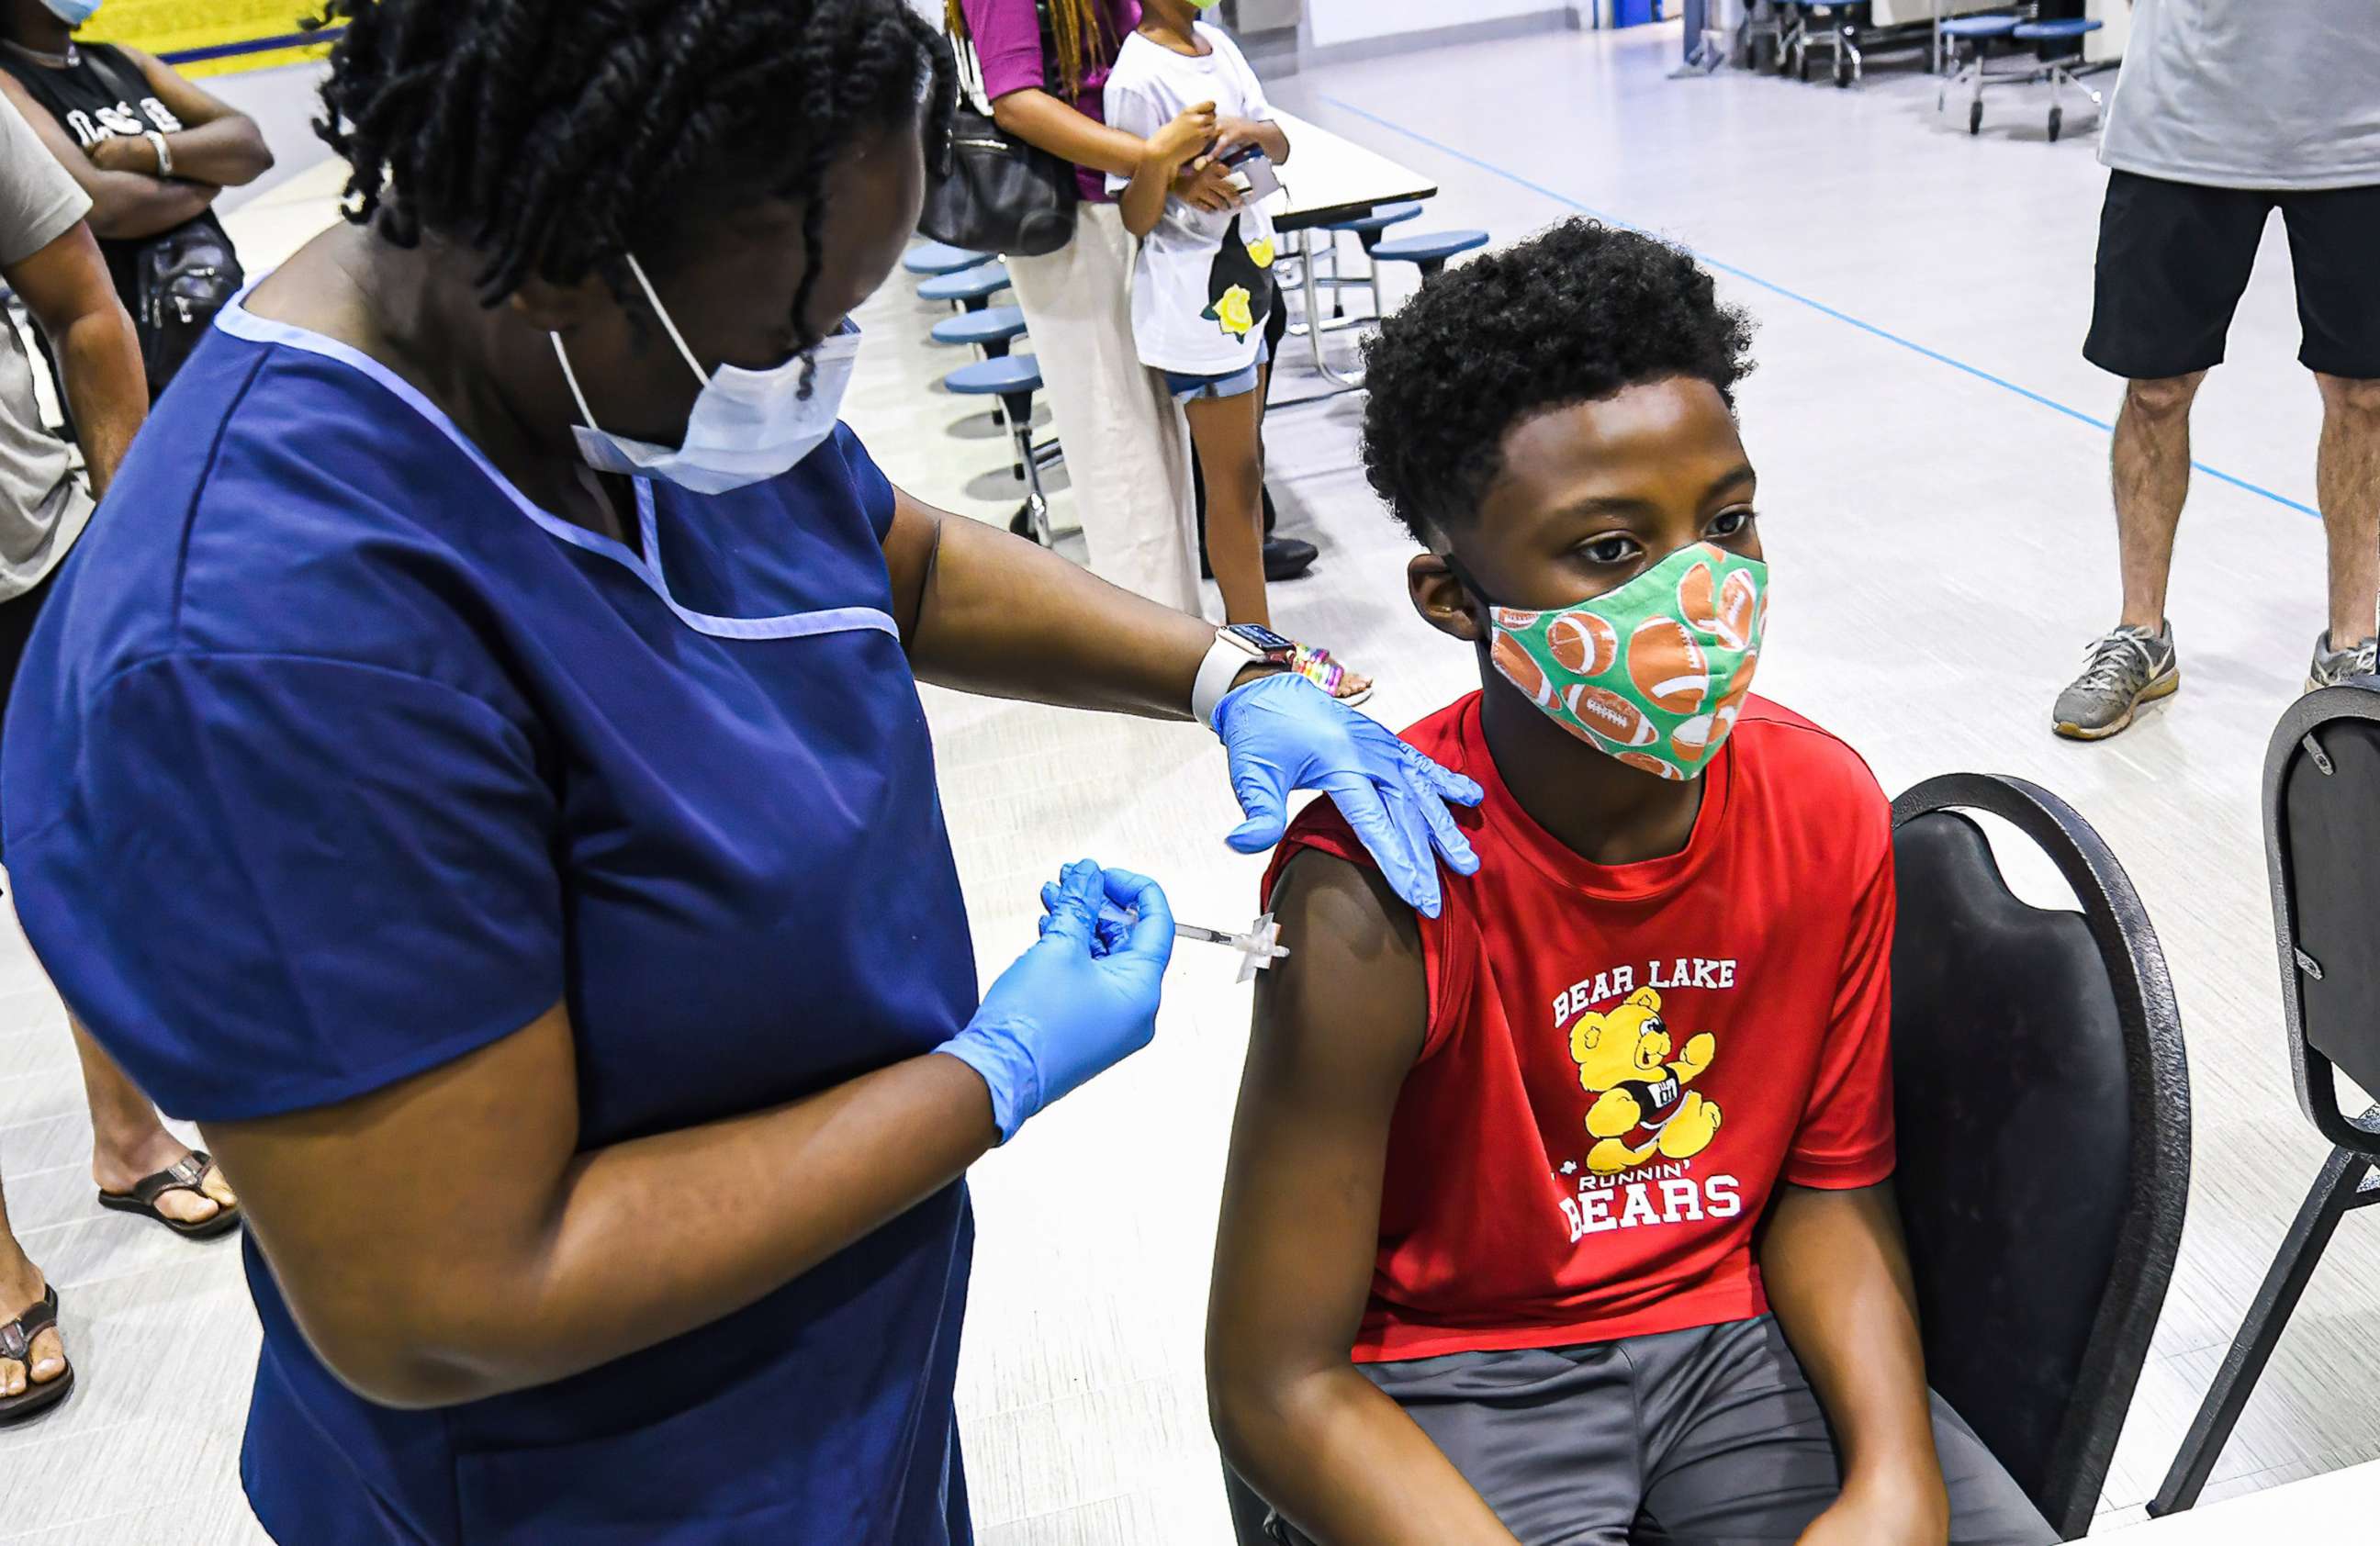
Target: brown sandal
{"type": "Point", "coordinates": [183, 1176]}
{"type": "Point", "coordinates": [17, 1344]}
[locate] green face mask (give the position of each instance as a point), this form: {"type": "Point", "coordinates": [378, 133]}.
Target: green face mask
{"type": "Point", "coordinates": [1652, 672]}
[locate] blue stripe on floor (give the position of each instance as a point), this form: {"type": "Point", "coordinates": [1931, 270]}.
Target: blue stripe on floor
{"type": "Point", "coordinates": [1910, 344]}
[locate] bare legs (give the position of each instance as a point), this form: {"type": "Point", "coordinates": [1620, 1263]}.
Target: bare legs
{"type": "Point", "coordinates": [2152, 478]}
{"type": "Point", "coordinates": [128, 1142]}
{"type": "Point", "coordinates": [1227, 434]}
{"type": "Point", "coordinates": [2347, 488]}
{"type": "Point", "coordinates": [20, 1288]}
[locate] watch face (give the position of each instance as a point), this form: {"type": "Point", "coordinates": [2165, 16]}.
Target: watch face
{"type": "Point", "coordinates": [1263, 640]}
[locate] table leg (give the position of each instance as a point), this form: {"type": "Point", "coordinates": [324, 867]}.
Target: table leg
{"type": "Point", "coordinates": [1313, 295]}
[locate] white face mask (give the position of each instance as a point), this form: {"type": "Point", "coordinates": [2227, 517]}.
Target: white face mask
{"type": "Point", "coordinates": [748, 426]}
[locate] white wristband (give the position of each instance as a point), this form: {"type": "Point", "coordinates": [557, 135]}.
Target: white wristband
{"type": "Point", "coordinates": [165, 152]}
{"type": "Point", "coordinates": [1223, 665]}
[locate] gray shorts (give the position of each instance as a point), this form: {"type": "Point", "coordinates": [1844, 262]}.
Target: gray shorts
{"type": "Point", "coordinates": [1708, 1437]}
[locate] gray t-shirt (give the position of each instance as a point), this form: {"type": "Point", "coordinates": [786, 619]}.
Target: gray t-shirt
{"type": "Point", "coordinates": [2250, 93]}
{"type": "Point", "coordinates": [43, 508]}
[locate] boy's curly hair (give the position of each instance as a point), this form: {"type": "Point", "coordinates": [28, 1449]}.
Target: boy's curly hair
{"type": "Point", "coordinates": [1573, 314]}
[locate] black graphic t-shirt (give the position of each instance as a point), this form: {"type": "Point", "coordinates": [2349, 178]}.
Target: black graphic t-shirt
{"type": "Point", "coordinates": [102, 95]}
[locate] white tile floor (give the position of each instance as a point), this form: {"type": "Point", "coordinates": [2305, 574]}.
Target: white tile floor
{"type": "Point", "coordinates": [1939, 532]}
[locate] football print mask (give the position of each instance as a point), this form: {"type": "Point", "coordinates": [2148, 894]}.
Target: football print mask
{"type": "Point", "coordinates": [1652, 672]}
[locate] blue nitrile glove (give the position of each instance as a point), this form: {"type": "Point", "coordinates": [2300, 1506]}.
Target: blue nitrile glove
{"type": "Point", "coordinates": [1110, 930]}
{"type": "Point", "coordinates": [1283, 733]}
{"type": "Point", "coordinates": [1071, 1006]}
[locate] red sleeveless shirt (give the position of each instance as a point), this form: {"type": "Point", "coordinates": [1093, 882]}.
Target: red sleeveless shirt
{"type": "Point", "coordinates": [1622, 1062]}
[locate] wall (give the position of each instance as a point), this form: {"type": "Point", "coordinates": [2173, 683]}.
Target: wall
{"type": "Point", "coordinates": [1331, 23]}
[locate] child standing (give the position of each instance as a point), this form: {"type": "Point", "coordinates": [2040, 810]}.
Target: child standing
{"type": "Point", "coordinates": [1202, 287]}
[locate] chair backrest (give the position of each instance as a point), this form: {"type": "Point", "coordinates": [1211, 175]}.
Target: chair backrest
{"type": "Point", "coordinates": [2322, 823]}
{"type": "Point", "coordinates": [2043, 1107]}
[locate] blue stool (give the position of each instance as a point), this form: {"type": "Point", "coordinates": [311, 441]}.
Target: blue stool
{"type": "Point", "coordinates": [1430, 250]}
{"type": "Point", "coordinates": [1366, 229]}
{"type": "Point", "coordinates": [931, 259]}
{"type": "Point", "coordinates": [990, 330]}
{"type": "Point", "coordinates": [969, 289]}
{"type": "Point", "coordinates": [1013, 379]}
{"type": "Point", "coordinates": [1980, 31]}
{"type": "Point", "coordinates": [2062, 30]}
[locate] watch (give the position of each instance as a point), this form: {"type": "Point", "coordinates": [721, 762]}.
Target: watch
{"type": "Point", "coordinates": [1238, 646]}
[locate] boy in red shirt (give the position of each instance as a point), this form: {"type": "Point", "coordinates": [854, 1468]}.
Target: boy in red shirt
{"type": "Point", "coordinates": [1564, 1216]}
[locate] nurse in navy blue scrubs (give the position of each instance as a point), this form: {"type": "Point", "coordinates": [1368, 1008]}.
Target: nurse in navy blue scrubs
{"type": "Point", "coordinates": [473, 766]}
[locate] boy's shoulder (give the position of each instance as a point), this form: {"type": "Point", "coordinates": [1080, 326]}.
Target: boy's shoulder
{"type": "Point", "coordinates": [1440, 736]}
{"type": "Point", "coordinates": [1820, 763]}
{"type": "Point", "coordinates": [1803, 773]}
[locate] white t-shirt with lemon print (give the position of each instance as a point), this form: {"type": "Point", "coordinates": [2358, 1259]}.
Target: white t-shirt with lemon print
{"type": "Point", "coordinates": [1203, 285]}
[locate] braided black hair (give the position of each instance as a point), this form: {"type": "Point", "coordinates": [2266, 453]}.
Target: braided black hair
{"type": "Point", "coordinates": [553, 137]}
{"type": "Point", "coordinates": [1573, 314]}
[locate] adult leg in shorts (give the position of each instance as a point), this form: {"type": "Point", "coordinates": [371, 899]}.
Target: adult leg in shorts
{"type": "Point", "coordinates": [2334, 249]}
{"type": "Point", "coordinates": [2173, 260]}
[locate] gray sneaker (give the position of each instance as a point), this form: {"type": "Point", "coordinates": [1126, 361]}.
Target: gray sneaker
{"type": "Point", "coordinates": [2124, 669]}
{"type": "Point", "coordinates": [2332, 667]}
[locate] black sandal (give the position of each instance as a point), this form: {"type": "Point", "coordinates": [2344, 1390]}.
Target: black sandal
{"type": "Point", "coordinates": [17, 1344]}
{"type": "Point", "coordinates": [184, 1175]}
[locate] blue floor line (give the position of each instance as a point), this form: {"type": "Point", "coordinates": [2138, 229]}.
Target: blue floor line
{"type": "Point", "coordinates": [1798, 298]}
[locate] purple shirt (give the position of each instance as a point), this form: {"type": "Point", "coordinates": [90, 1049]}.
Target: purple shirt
{"type": "Point", "coordinates": [1007, 36]}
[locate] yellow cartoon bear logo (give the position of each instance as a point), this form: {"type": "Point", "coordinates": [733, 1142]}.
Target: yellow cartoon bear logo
{"type": "Point", "coordinates": [1641, 1105]}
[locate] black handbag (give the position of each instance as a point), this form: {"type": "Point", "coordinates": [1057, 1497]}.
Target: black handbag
{"type": "Point", "coordinates": [185, 277]}
{"type": "Point", "coordinates": [999, 194]}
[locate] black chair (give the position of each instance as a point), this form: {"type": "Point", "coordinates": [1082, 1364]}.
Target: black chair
{"type": "Point", "coordinates": [2044, 1111]}
{"type": "Point", "coordinates": [2322, 785]}
{"type": "Point", "coordinates": [2043, 1116]}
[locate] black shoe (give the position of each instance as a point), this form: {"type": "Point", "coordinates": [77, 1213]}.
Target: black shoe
{"type": "Point", "coordinates": [1285, 558]}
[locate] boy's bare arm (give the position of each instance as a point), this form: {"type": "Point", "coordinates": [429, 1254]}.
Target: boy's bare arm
{"type": "Point", "coordinates": [1838, 1279]}
{"type": "Point", "coordinates": [1337, 1025]}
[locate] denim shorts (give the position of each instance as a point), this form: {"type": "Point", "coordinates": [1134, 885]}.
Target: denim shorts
{"type": "Point", "coordinates": [1189, 388]}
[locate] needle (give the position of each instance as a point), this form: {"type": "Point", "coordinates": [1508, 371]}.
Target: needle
{"type": "Point", "coordinates": [1259, 946]}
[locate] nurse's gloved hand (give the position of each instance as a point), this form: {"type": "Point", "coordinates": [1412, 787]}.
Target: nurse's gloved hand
{"type": "Point", "coordinates": [1283, 734]}
{"type": "Point", "coordinates": [1076, 1004]}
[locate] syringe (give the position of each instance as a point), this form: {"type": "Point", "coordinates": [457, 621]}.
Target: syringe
{"type": "Point", "coordinates": [1259, 946]}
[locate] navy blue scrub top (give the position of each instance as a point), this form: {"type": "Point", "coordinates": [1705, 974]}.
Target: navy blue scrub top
{"type": "Point", "coordinates": [333, 759]}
